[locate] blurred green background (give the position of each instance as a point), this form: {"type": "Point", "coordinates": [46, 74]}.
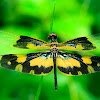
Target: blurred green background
{"type": "Point", "coordinates": [72, 19]}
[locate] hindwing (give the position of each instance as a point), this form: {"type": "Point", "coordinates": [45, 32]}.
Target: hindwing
{"type": "Point", "coordinates": [33, 63]}
{"type": "Point", "coordinates": [73, 64]}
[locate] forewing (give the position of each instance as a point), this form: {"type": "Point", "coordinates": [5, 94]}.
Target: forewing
{"type": "Point", "coordinates": [73, 64]}
{"type": "Point", "coordinates": [40, 63]}
{"type": "Point", "coordinates": [26, 42]}
{"type": "Point", "coordinates": [78, 44]}
{"type": "Point", "coordinates": [23, 42]}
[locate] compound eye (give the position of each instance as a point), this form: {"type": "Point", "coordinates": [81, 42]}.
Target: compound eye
{"type": "Point", "coordinates": [52, 35]}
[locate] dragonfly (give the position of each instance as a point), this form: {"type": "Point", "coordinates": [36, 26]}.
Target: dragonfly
{"type": "Point", "coordinates": [53, 58]}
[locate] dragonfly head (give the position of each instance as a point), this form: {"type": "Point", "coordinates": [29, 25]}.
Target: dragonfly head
{"type": "Point", "coordinates": [52, 37]}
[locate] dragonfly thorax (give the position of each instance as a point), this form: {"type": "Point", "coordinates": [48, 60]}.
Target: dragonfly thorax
{"type": "Point", "coordinates": [54, 47]}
